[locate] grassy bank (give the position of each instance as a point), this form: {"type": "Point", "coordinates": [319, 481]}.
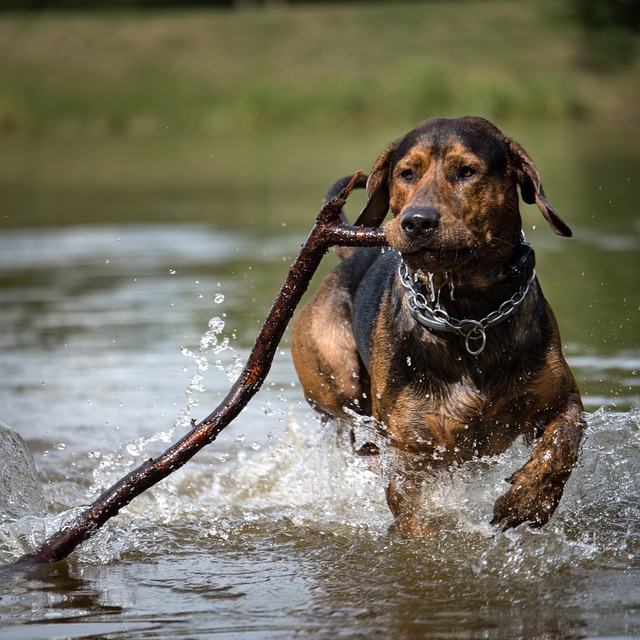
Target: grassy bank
{"type": "Point", "coordinates": [313, 66]}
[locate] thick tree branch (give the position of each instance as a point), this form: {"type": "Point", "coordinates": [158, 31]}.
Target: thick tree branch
{"type": "Point", "coordinates": [328, 231]}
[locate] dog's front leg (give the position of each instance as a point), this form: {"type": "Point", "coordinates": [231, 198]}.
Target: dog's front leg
{"type": "Point", "coordinates": [538, 485]}
{"type": "Point", "coordinates": [403, 497]}
{"type": "Point", "coordinates": [405, 494]}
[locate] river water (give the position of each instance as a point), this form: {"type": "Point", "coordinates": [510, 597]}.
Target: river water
{"type": "Point", "coordinates": [134, 276]}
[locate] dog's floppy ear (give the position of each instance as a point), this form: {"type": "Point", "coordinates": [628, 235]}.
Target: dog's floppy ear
{"type": "Point", "coordinates": [377, 206]}
{"type": "Point", "coordinates": [531, 188]}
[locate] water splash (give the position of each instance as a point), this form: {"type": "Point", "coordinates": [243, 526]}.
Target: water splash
{"type": "Point", "coordinates": [27, 534]}
{"type": "Point", "coordinates": [23, 521]}
{"type": "Point", "coordinates": [211, 342]}
{"type": "Point", "coordinates": [114, 465]}
{"type": "Point", "coordinates": [20, 490]}
{"type": "Point", "coordinates": [312, 480]}
{"type": "Point", "coordinates": [309, 483]}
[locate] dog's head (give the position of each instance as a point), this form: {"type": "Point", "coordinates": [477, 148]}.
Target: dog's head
{"type": "Point", "coordinates": [451, 186]}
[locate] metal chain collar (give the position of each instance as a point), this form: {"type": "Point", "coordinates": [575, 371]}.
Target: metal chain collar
{"type": "Point", "coordinates": [430, 314]}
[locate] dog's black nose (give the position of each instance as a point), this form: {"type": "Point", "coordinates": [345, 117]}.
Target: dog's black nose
{"type": "Point", "coordinates": [416, 221]}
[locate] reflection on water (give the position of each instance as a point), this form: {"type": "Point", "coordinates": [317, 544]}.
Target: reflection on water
{"type": "Point", "coordinates": [273, 531]}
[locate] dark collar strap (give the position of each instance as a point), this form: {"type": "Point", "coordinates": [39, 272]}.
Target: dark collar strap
{"type": "Point", "coordinates": [519, 271]}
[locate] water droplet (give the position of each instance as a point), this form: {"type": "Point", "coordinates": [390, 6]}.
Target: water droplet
{"type": "Point", "coordinates": [218, 298]}
{"type": "Point", "coordinates": [172, 272]}
{"type": "Point", "coordinates": [216, 324]}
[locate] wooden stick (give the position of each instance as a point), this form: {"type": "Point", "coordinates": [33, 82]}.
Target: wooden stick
{"type": "Point", "coordinates": [328, 231]}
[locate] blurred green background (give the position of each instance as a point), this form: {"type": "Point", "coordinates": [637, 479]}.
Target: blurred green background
{"type": "Point", "coordinates": [126, 69]}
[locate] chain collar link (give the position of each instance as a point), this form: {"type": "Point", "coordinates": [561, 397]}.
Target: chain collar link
{"type": "Point", "coordinates": [430, 314]}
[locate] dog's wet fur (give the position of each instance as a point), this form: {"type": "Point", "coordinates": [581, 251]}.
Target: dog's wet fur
{"type": "Point", "coordinates": [452, 189]}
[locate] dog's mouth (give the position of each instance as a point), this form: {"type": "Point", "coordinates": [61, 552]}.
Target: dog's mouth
{"type": "Point", "coordinates": [432, 247]}
{"type": "Point", "coordinates": [434, 258]}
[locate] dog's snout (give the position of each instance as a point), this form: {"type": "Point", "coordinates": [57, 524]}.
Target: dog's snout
{"type": "Point", "coordinates": [416, 221]}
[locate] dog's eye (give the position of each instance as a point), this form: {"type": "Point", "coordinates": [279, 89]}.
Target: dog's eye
{"type": "Point", "coordinates": [407, 175]}
{"type": "Point", "coordinates": [466, 172]}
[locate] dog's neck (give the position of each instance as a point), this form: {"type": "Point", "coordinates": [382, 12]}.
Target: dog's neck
{"type": "Point", "coordinates": [481, 308]}
{"type": "Point", "coordinates": [486, 287]}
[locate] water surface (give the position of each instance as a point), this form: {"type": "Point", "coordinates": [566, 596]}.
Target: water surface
{"type": "Point", "coordinates": [118, 256]}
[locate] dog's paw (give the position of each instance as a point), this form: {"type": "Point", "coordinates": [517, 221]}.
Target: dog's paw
{"type": "Point", "coordinates": [531, 499]}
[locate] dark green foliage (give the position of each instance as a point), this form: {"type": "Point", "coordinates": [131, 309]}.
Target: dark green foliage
{"type": "Point", "coordinates": [611, 30]}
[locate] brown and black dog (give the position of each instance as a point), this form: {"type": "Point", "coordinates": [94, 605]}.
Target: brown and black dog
{"type": "Point", "coordinates": [445, 339]}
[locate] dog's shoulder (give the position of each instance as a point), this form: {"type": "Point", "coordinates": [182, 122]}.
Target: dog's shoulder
{"type": "Point", "coordinates": [354, 270]}
{"type": "Point", "coordinates": [375, 277]}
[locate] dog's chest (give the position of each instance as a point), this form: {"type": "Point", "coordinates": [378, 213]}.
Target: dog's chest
{"type": "Point", "coordinates": [444, 403]}
{"type": "Point", "coordinates": [454, 421]}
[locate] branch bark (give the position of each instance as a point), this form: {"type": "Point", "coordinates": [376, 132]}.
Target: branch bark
{"type": "Point", "coordinates": [328, 231]}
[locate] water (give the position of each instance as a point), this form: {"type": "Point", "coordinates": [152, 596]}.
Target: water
{"type": "Point", "coordinates": [139, 297]}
